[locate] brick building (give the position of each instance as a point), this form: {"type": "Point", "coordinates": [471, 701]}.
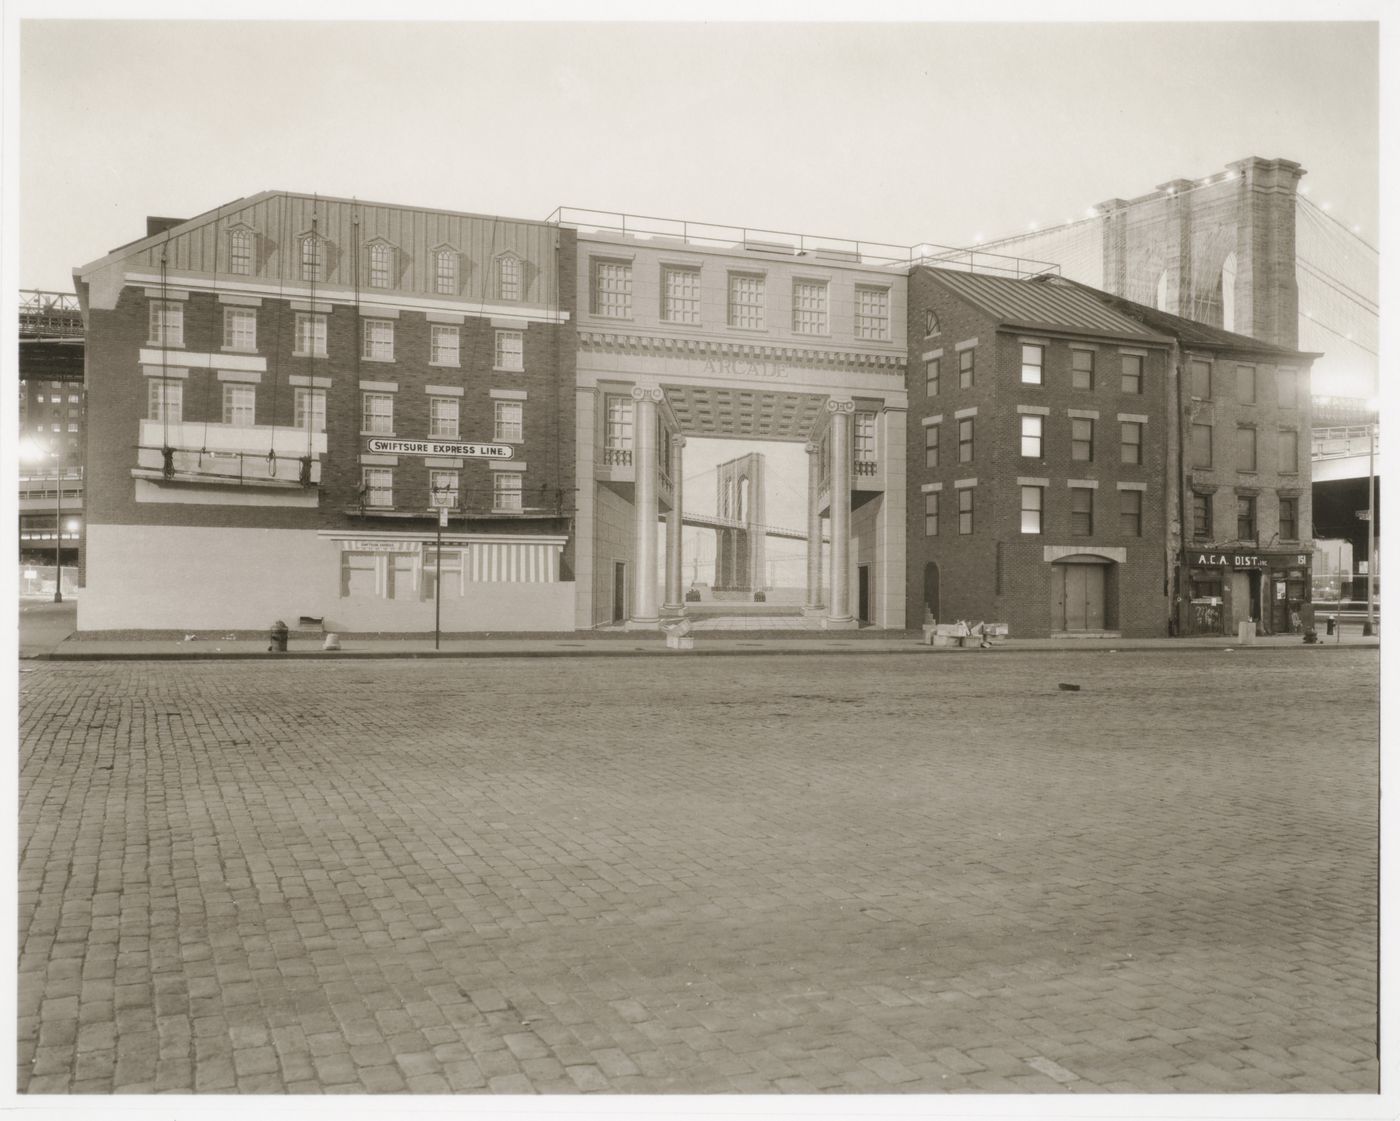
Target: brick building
{"type": "Point", "coordinates": [283, 393]}
{"type": "Point", "coordinates": [1242, 485]}
{"type": "Point", "coordinates": [1038, 458]}
{"type": "Point", "coordinates": [1047, 485]}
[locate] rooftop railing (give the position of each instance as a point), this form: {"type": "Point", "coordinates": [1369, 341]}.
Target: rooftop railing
{"type": "Point", "coordinates": [786, 243]}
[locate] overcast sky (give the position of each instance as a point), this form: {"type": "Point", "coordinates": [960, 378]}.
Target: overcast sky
{"type": "Point", "coordinates": [891, 132]}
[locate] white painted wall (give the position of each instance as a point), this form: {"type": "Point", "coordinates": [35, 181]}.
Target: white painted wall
{"type": "Point", "coordinates": [215, 578]}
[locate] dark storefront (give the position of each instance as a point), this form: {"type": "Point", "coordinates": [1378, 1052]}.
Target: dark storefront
{"type": "Point", "coordinates": [1227, 587]}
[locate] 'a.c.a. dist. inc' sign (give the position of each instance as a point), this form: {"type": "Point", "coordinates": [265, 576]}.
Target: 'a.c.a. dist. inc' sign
{"type": "Point", "coordinates": [441, 447]}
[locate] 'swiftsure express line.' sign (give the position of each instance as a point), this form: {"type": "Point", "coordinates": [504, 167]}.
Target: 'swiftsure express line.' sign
{"type": "Point", "coordinates": [441, 447]}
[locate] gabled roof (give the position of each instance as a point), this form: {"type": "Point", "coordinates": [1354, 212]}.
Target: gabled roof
{"type": "Point", "coordinates": [1035, 306]}
{"type": "Point", "coordinates": [1188, 332]}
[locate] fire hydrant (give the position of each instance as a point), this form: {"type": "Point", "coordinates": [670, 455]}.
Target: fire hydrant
{"type": "Point", "coordinates": [278, 638]}
{"type": "Point", "coordinates": [1331, 624]}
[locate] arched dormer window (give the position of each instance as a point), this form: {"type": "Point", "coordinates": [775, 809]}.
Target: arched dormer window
{"type": "Point", "coordinates": [381, 264]}
{"type": "Point", "coordinates": [445, 270]}
{"type": "Point", "coordinates": [508, 277]}
{"type": "Point", "coordinates": [313, 257]}
{"type": "Point", "coordinates": [240, 251]}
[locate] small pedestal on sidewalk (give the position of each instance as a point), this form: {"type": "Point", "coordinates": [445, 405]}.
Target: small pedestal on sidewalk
{"type": "Point", "coordinates": [678, 634]}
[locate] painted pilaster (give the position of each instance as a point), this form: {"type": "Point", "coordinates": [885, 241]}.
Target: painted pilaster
{"type": "Point", "coordinates": [838, 616]}
{"type": "Point", "coordinates": [675, 601]}
{"type": "Point", "coordinates": [813, 603]}
{"type": "Point", "coordinates": [644, 612]}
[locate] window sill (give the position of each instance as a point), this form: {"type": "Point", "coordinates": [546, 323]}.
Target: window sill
{"type": "Point", "coordinates": [380, 435]}
{"type": "Point", "coordinates": [308, 354]}
{"type": "Point", "coordinates": [508, 369]}
{"type": "Point", "coordinates": [747, 330]}
{"type": "Point", "coordinates": [371, 358]}
{"type": "Point", "coordinates": [239, 349]}
{"type": "Point", "coordinates": [446, 365]}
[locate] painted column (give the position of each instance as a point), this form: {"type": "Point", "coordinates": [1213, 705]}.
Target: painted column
{"type": "Point", "coordinates": [813, 604]}
{"type": "Point", "coordinates": [675, 600]}
{"type": "Point", "coordinates": [644, 613]}
{"type": "Point", "coordinates": [838, 616]}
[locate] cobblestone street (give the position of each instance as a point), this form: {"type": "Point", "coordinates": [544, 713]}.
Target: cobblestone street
{"type": "Point", "coordinates": [846, 872]}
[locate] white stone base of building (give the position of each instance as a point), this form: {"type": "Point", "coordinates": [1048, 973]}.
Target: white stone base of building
{"type": "Point", "coordinates": [215, 578]}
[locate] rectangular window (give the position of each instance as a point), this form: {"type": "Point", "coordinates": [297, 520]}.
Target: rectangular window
{"type": "Point", "coordinates": [1247, 449]}
{"type": "Point", "coordinates": [311, 334]}
{"type": "Point", "coordinates": [165, 399]}
{"type": "Point", "coordinates": [240, 329]}
{"type": "Point", "coordinates": [863, 450]}
{"type": "Point", "coordinates": [965, 510]}
{"type": "Point", "coordinates": [1288, 451]}
{"type": "Point", "coordinates": [1032, 437]}
{"type": "Point", "coordinates": [612, 289]}
{"type": "Point", "coordinates": [1082, 368]}
{"type": "Point", "coordinates": [618, 436]}
{"type": "Point", "coordinates": [444, 488]}
{"type": "Point", "coordinates": [1200, 516]}
{"type": "Point", "coordinates": [378, 340]}
{"type": "Point", "coordinates": [510, 350]}
{"type": "Point", "coordinates": [1131, 441]}
{"type": "Point", "coordinates": [1081, 446]}
{"type": "Point", "coordinates": [510, 422]}
{"type": "Point", "coordinates": [508, 277]}
{"type": "Point", "coordinates": [378, 484]}
{"type": "Point", "coordinates": [747, 306]}
{"type": "Point", "coordinates": [1245, 385]}
{"type": "Point", "coordinates": [931, 514]}
{"type": "Point", "coordinates": [378, 419]}
{"type": "Point", "coordinates": [1032, 509]}
{"type": "Point", "coordinates": [445, 272]}
{"type": "Point", "coordinates": [309, 409]}
{"type": "Point", "coordinates": [930, 445]}
{"type": "Point", "coordinates": [931, 376]}
{"type": "Point", "coordinates": [966, 367]}
{"type": "Point", "coordinates": [1245, 528]}
{"type": "Point", "coordinates": [1032, 364]}
{"type": "Point", "coordinates": [508, 490]}
{"type": "Point", "coordinates": [359, 574]}
{"type": "Point", "coordinates": [965, 440]}
{"type": "Point", "coordinates": [444, 418]}
{"type": "Point", "coordinates": [680, 295]}
{"type": "Point", "coordinates": [167, 323]}
{"type": "Point", "coordinates": [1202, 454]}
{"type": "Point", "coordinates": [809, 307]}
{"type": "Point", "coordinates": [1288, 519]}
{"type": "Point", "coordinates": [1287, 382]}
{"type": "Point", "coordinates": [1200, 379]}
{"type": "Point", "coordinates": [1081, 511]}
{"type": "Point", "coordinates": [1130, 513]}
{"type": "Point", "coordinates": [1130, 380]}
{"type": "Point", "coordinates": [446, 346]}
{"type": "Point", "coordinates": [239, 405]}
{"type": "Point", "coordinates": [872, 312]}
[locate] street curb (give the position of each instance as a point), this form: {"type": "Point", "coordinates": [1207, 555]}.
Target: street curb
{"type": "Point", "coordinates": [647, 652]}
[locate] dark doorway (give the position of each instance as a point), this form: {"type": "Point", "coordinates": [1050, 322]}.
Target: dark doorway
{"type": "Point", "coordinates": [1077, 596]}
{"type": "Point", "coordinates": [931, 592]}
{"type": "Point", "coordinates": [863, 596]}
{"type": "Point", "coordinates": [619, 612]}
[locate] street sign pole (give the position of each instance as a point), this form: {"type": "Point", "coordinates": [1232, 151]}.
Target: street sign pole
{"type": "Point", "coordinates": [437, 584]}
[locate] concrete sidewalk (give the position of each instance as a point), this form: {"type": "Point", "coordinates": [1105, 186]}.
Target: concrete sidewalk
{"type": "Point", "coordinates": [629, 644]}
